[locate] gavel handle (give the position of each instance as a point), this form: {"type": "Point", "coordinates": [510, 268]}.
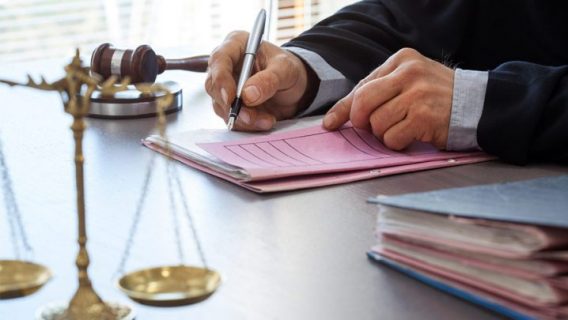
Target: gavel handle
{"type": "Point", "coordinates": [196, 64]}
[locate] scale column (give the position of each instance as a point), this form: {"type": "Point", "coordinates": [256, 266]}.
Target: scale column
{"type": "Point", "coordinates": [85, 304]}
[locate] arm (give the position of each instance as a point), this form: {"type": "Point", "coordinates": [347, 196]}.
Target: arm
{"type": "Point", "coordinates": [360, 37]}
{"type": "Point", "coordinates": [329, 85]}
{"type": "Point", "coordinates": [525, 116]}
{"type": "Point", "coordinates": [467, 100]}
{"type": "Point", "coordinates": [525, 111]}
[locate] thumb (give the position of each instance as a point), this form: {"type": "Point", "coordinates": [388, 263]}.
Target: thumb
{"type": "Point", "coordinates": [261, 87]}
{"type": "Point", "coordinates": [339, 113]}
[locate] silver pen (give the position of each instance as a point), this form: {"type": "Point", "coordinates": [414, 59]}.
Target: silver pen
{"type": "Point", "coordinates": [250, 53]}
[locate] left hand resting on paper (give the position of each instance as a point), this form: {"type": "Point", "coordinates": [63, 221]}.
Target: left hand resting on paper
{"type": "Point", "coordinates": [407, 98]}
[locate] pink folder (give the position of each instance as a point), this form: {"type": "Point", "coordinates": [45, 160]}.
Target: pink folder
{"type": "Point", "coordinates": [313, 157]}
{"type": "Point", "coordinates": [549, 271]}
{"type": "Point", "coordinates": [560, 296]}
{"type": "Point", "coordinates": [521, 267]}
{"type": "Point", "coordinates": [544, 238]}
{"type": "Point", "coordinates": [475, 294]}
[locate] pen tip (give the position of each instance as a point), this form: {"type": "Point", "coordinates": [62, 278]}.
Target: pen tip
{"type": "Point", "coordinates": [231, 123]}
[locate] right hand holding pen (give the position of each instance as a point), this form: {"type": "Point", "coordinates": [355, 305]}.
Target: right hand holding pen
{"type": "Point", "coordinates": [274, 91]}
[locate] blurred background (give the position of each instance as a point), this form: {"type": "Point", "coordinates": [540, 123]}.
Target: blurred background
{"type": "Point", "coordinates": [44, 29]}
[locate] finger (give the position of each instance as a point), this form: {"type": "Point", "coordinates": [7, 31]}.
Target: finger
{"type": "Point", "coordinates": [278, 74]}
{"type": "Point", "coordinates": [389, 114]}
{"type": "Point", "coordinates": [249, 119]}
{"type": "Point", "coordinates": [232, 47]}
{"type": "Point", "coordinates": [390, 65]}
{"type": "Point", "coordinates": [334, 120]}
{"type": "Point", "coordinates": [221, 111]}
{"type": "Point", "coordinates": [372, 96]}
{"type": "Point", "coordinates": [220, 83]}
{"type": "Point", "coordinates": [252, 119]}
{"type": "Point", "coordinates": [401, 135]}
{"type": "Point", "coordinates": [260, 87]}
{"type": "Point", "coordinates": [339, 113]}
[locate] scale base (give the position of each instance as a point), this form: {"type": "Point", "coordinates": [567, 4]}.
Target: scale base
{"type": "Point", "coordinates": [132, 104]}
{"type": "Point", "coordinates": [58, 311]}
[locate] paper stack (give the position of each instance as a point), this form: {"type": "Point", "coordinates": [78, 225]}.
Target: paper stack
{"type": "Point", "coordinates": [502, 246]}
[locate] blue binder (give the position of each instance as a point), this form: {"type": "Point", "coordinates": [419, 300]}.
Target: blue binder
{"type": "Point", "coordinates": [542, 201]}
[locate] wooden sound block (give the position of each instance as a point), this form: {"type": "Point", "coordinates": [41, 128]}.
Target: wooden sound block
{"type": "Point", "coordinates": [132, 103]}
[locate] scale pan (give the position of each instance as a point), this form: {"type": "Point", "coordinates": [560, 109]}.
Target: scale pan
{"type": "Point", "coordinates": [170, 285]}
{"type": "Point", "coordinates": [21, 278]}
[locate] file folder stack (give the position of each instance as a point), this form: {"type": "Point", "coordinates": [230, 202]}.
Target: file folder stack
{"type": "Point", "coordinates": [502, 246]}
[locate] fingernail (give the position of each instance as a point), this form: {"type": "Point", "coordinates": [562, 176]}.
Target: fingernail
{"type": "Point", "coordinates": [264, 123]}
{"type": "Point", "coordinates": [252, 93]}
{"type": "Point", "coordinates": [329, 120]}
{"type": "Point", "coordinates": [245, 117]}
{"type": "Point", "coordinates": [225, 97]}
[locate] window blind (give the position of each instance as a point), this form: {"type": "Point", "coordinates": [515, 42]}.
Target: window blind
{"type": "Point", "coordinates": [295, 16]}
{"type": "Point", "coordinates": [33, 29]}
{"type": "Point", "coordinates": [40, 29]}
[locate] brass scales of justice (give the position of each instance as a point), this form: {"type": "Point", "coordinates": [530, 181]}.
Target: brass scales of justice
{"type": "Point", "coordinates": [159, 286]}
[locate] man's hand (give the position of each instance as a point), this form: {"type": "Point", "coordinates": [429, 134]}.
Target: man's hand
{"type": "Point", "coordinates": [273, 92]}
{"type": "Point", "coordinates": [407, 98]}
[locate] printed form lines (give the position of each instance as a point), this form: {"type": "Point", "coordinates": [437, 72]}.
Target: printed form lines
{"type": "Point", "coordinates": [282, 153]}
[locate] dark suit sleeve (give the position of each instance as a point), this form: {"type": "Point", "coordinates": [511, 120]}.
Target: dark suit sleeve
{"type": "Point", "coordinates": [525, 114]}
{"type": "Point", "coordinates": [360, 37]}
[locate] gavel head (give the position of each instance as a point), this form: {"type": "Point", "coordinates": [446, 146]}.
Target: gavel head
{"type": "Point", "coordinates": [141, 64]}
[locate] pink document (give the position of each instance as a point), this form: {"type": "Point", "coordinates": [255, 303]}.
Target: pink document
{"type": "Point", "coordinates": [315, 150]}
{"type": "Point", "coordinates": [313, 156]}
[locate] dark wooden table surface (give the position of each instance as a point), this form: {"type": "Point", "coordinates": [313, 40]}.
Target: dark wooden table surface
{"type": "Point", "coordinates": [293, 255]}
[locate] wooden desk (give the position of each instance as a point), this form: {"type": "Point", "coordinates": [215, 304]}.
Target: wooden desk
{"type": "Point", "coordinates": [293, 255]}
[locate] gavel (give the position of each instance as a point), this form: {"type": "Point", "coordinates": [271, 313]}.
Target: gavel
{"type": "Point", "coordinates": [141, 64]}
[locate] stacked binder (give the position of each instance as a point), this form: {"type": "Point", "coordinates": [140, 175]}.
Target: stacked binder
{"type": "Point", "coordinates": [503, 246]}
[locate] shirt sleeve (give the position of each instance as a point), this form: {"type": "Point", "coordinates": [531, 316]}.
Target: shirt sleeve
{"type": "Point", "coordinates": [332, 86]}
{"type": "Point", "coordinates": [467, 106]}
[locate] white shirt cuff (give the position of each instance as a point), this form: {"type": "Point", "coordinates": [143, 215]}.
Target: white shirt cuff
{"type": "Point", "coordinates": [467, 106]}
{"type": "Point", "coordinates": [333, 85]}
